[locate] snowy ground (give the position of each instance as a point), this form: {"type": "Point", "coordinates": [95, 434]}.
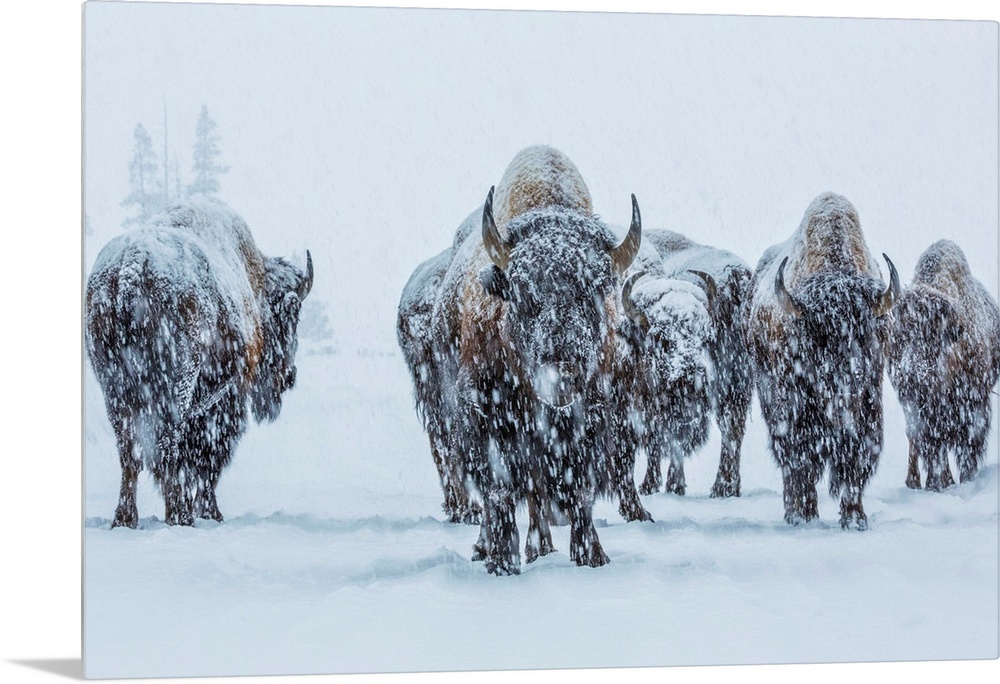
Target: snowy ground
{"type": "Point", "coordinates": [334, 558]}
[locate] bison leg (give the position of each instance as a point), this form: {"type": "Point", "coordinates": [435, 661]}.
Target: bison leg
{"type": "Point", "coordinates": [127, 513]}
{"type": "Point", "coordinates": [938, 472]}
{"type": "Point", "coordinates": [851, 510]}
{"type": "Point", "coordinates": [800, 498]}
{"type": "Point", "coordinates": [584, 546]}
{"type": "Point", "coordinates": [971, 452]}
{"type": "Point", "coordinates": [502, 556]}
{"type": "Point", "coordinates": [481, 549]}
{"type": "Point", "coordinates": [654, 476]}
{"type": "Point", "coordinates": [178, 508]}
{"type": "Point", "coordinates": [539, 541]}
{"type": "Point", "coordinates": [629, 505]}
{"type": "Point", "coordinates": [727, 480]}
{"type": "Point", "coordinates": [205, 504]}
{"type": "Point", "coordinates": [676, 483]}
{"type": "Point", "coordinates": [913, 465]}
{"type": "Point", "coordinates": [458, 505]}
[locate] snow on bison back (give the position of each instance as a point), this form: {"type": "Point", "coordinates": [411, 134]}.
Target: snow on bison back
{"type": "Point", "coordinates": [943, 360]}
{"type": "Point", "coordinates": [817, 325]}
{"type": "Point", "coordinates": [185, 323]}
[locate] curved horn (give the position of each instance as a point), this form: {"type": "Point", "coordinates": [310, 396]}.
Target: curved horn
{"type": "Point", "coordinates": [891, 294]}
{"type": "Point", "coordinates": [710, 287]}
{"type": "Point", "coordinates": [307, 284]}
{"type": "Point", "coordinates": [787, 302]}
{"type": "Point", "coordinates": [496, 247]}
{"type": "Point", "coordinates": [628, 305]}
{"type": "Point", "coordinates": [624, 254]}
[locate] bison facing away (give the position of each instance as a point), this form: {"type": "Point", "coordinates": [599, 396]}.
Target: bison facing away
{"type": "Point", "coordinates": [726, 280]}
{"type": "Point", "coordinates": [186, 323]}
{"type": "Point", "coordinates": [528, 315]}
{"type": "Point", "coordinates": [662, 376]}
{"type": "Point", "coordinates": [943, 360]}
{"type": "Point", "coordinates": [434, 391]}
{"type": "Point", "coordinates": [817, 325]}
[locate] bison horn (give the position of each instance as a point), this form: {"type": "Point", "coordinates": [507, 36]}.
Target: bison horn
{"type": "Point", "coordinates": [710, 287]}
{"type": "Point", "coordinates": [307, 284]}
{"type": "Point", "coordinates": [624, 254]}
{"type": "Point", "coordinates": [786, 300]}
{"type": "Point", "coordinates": [496, 246]}
{"type": "Point", "coordinates": [631, 310]}
{"type": "Point", "coordinates": [891, 294]}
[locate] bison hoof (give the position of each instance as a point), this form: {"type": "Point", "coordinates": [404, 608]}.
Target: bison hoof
{"type": "Point", "coordinates": [675, 488]}
{"type": "Point", "coordinates": [533, 553]}
{"type": "Point", "coordinates": [592, 556]}
{"type": "Point", "coordinates": [859, 520]}
{"type": "Point", "coordinates": [913, 481]}
{"type": "Point", "coordinates": [503, 566]}
{"type": "Point", "coordinates": [478, 553]}
{"type": "Point", "coordinates": [637, 513]}
{"type": "Point", "coordinates": [123, 519]}
{"type": "Point", "coordinates": [935, 484]}
{"type": "Point", "coordinates": [797, 518]}
{"type": "Point", "coordinates": [212, 515]}
{"type": "Point", "coordinates": [724, 490]}
{"type": "Point", "coordinates": [646, 488]}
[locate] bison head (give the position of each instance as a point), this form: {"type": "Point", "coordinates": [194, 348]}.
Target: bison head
{"type": "Point", "coordinates": [285, 288]}
{"type": "Point", "coordinates": [557, 271]}
{"type": "Point", "coordinates": [837, 335]}
{"type": "Point", "coordinates": [926, 326]}
{"type": "Point", "coordinates": [668, 325]}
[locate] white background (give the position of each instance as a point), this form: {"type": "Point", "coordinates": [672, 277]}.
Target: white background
{"type": "Point", "coordinates": [42, 345]}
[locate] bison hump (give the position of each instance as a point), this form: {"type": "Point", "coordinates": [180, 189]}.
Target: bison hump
{"type": "Point", "coordinates": [540, 177]}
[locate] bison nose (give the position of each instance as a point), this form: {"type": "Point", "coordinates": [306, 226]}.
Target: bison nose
{"type": "Point", "coordinates": [558, 384]}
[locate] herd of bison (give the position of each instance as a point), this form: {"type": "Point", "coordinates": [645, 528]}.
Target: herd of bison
{"type": "Point", "coordinates": [546, 352]}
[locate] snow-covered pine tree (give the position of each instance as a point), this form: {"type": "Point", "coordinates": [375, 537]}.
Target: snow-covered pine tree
{"type": "Point", "coordinates": [206, 157]}
{"type": "Point", "coordinates": [144, 190]}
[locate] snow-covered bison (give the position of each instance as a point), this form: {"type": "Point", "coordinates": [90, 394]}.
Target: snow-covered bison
{"type": "Point", "coordinates": [528, 314]}
{"type": "Point", "coordinates": [186, 323]}
{"type": "Point", "coordinates": [726, 279]}
{"type": "Point", "coordinates": [943, 360]}
{"type": "Point", "coordinates": [662, 375]}
{"type": "Point", "coordinates": [817, 326]}
{"type": "Point", "coordinates": [434, 391]}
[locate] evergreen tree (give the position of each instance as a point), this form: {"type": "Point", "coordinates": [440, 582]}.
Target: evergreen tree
{"type": "Point", "coordinates": [206, 157]}
{"type": "Point", "coordinates": [145, 193]}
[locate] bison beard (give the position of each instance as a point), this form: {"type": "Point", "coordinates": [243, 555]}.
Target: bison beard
{"type": "Point", "coordinates": [186, 322]}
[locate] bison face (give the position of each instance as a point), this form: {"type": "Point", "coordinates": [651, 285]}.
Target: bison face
{"type": "Point", "coordinates": [286, 286]}
{"type": "Point", "coordinates": [836, 341]}
{"type": "Point", "coordinates": [557, 272]}
{"type": "Point", "coordinates": [668, 326]}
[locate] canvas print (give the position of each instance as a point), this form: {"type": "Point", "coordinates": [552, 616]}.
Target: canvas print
{"type": "Point", "coordinates": [424, 340]}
